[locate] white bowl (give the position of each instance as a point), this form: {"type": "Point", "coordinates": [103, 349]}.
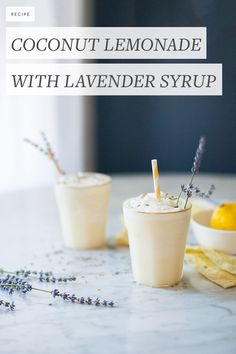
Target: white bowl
{"type": "Point", "coordinates": [220, 240]}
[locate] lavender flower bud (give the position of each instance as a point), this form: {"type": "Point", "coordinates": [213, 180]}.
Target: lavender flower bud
{"type": "Point", "coordinates": [13, 283]}
{"type": "Point", "coordinates": [55, 293]}
{"type": "Point", "coordinates": [81, 300]}
{"type": "Point", "coordinates": [47, 151]}
{"type": "Point", "coordinates": [89, 301]}
{"type": "Point", "coordinates": [190, 189]}
{"type": "Point", "coordinates": [9, 305]}
{"type": "Point", "coordinates": [73, 298]}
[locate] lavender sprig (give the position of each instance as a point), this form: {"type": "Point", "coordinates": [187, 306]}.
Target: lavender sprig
{"type": "Point", "coordinates": [207, 194]}
{"type": "Point", "coordinates": [13, 283]}
{"type": "Point", "coordinates": [198, 157]}
{"type": "Point", "coordinates": [190, 190]}
{"type": "Point", "coordinates": [196, 165]}
{"type": "Point", "coordinates": [81, 300]}
{"type": "Point", "coordinates": [56, 280]}
{"type": "Point", "coordinates": [27, 273]}
{"type": "Point", "coordinates": [9, 305]}
{"type": "Point", "coordinates": [48, 151]}
{"type": "Point", "coordinates": [47, 277]}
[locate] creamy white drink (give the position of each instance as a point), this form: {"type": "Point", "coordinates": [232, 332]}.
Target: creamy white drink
{"type": "Point", "coordinates": [83, 200]}
{"type": "Point", "coordinates": [157, 232]}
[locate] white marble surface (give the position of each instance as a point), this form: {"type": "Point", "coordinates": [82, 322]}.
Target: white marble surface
{"type": "Point", "coordinates": [194, 317]}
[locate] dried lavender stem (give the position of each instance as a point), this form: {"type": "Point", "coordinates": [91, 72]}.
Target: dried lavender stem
{"type": "Point", "coordinates": [47, 151]}
{"type": "Point", "coordinates": [186, 202]}
{"type": "Point", "coordinates": [56, 293]}
{"type": "Point", "coordinates": [47, 277]}
{"type": "Point", "coordinates": [187, 198]}
{"type": "Point", "coordinates": [55, 162]}
{"type": "Point", "coordinates": [179, 196]}
{"type": "Point", "coordinates": [43, 290]}
{"type": "Point", "coordinates": [8, 285]}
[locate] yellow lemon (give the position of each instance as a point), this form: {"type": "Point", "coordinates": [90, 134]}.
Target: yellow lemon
{"type": "Point", "coordinates": [224, 217]}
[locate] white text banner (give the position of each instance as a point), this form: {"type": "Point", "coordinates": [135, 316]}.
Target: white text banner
{"type": "Point", "coordinates": [106, 42]}
{"type": "Point", "coordinates": [114, 79]}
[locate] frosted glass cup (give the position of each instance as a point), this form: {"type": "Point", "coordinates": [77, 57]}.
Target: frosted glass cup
{"type": "Point", "coordinates": [83, 211]}
{"type": "Point", "coordinates": [157, 243]}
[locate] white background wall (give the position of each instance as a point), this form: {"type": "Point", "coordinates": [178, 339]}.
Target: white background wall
{"type": "Point", "coordinates": [67, 121]}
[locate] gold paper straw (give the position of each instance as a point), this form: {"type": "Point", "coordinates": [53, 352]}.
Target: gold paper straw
{"type": "Point", "coordinates": [155, 175]}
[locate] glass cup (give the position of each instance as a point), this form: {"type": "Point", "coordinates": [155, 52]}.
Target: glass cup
{"type": "Point", "coordinates": [157, 243]}
{"type": "Point", "coordinates": [83, 213]}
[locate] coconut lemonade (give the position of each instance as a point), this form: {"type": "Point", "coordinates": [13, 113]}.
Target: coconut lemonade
{"type": "Point", "coordinates": [83, 200]}
{"type": "Point", "coordinates": [157, 231]}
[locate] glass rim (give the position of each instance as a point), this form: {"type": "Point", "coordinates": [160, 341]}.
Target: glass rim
{"type": "Point", "coordinates": [108, 181]}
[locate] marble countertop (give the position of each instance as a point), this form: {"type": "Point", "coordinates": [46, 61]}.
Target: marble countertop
{"type": "Point", "coordinates": [195, 316]}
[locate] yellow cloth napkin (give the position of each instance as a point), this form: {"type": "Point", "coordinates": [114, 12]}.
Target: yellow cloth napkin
{"type": "Point", "coordinates": [213, 265]}
{"type": "Point", "coordinates": [222, 260]}
{"type": "Point", "coordinates": [122, 238]}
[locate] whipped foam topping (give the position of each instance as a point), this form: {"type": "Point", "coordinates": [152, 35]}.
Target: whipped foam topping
{"type": "Point", "coordinates": [149, 203]}
{"type": "Point", "coordinates": [83, 179]}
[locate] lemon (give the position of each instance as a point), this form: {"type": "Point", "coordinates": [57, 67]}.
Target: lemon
{"type": "Point", "coordinates": [224, 217]}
